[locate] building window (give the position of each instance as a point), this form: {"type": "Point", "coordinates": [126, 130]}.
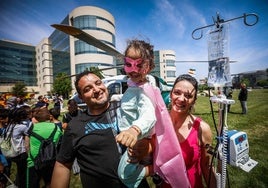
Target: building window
{"type": "Point", "coordinates": [171, 74]}
{"type": "Point", "coordinates": [81, 47]}
{"type": "Point", "coordinates": [85, 22]}
{"type": "Point", "coordinates": [84, 66]}
{"type": "Point", "coordinates": [170, 63]}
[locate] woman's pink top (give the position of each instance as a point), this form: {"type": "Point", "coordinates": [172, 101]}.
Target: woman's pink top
{"type": "Point", "coordinates": [191, 152]}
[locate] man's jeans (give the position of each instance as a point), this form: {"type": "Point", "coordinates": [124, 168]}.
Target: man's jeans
{"type": "Point", "coordinates": [244, 107]}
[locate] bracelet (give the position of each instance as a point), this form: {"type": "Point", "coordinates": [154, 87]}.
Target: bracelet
{"type": "Point", "coordinates": [136, 129]}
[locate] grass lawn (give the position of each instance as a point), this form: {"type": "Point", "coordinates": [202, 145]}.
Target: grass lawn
{"type": "Point", "coordinates": [255, 124]}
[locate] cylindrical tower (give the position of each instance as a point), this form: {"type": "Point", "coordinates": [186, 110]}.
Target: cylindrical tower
{"type": "Point", "coordinates": [100, 24]}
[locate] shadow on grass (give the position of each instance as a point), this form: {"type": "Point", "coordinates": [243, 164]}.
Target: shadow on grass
{"type": "Point", "coordinates": [200, 114]}
{"type": "Point", "coordinates": [234, 112]}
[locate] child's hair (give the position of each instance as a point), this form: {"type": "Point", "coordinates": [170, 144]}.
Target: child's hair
{"type": "Point", "coordinates": [144, 49]}
{"type": "Point", "coordinates": [41, 114]}
{"type": "Point", "coordinates": [55, 112]}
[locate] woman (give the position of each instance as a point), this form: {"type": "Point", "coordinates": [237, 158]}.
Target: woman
{"type": "Point", "coordinates": [194, 135]}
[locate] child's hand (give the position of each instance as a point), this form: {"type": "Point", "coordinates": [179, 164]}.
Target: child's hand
{"type": "Point", "coordinates": [141, 149]}
{"type": "Point", "coordinates": [128, 137]}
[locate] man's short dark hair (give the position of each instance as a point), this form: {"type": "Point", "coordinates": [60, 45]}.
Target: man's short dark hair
{"type": "Point", "coordinates": [78, 77]}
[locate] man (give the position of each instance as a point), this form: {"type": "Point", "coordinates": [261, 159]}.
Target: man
{"type": "Point", "coordinates": [90, 137]}
{"type": "Point", "coordinates": [41, 103]}
{"type": "Point", "coordinates": [243, 97]}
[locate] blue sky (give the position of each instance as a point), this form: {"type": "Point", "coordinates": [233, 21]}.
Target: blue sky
{"type": "Point", "coordinates": [167, 24]}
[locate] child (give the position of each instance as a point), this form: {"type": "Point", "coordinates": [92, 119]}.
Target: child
{"type": "Point", "coordinates": [138, 120]}
{"type": "Point", "coordinates": [137, 112]}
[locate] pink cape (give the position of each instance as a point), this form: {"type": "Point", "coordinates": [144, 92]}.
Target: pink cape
{"type": "Point", "coordinates": [168, 159]}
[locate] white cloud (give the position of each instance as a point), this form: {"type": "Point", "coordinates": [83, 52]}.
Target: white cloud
{"type": "Point", "coordinates": [166, 17]}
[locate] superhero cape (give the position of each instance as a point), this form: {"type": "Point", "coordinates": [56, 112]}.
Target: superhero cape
{"type": "Point", "coordinates": [168, 159]}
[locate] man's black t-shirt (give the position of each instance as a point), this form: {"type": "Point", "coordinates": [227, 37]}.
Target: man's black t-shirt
{"type": "Point", "coordinates": [91, 139]}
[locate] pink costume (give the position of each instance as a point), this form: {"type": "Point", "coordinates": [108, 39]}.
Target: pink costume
{"type": "Point", "coordinates": [192, 155]}
{"type": "Point", "coordinates": [168, 159]}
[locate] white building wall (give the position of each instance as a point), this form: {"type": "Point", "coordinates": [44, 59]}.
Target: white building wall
{"type": "Point", "coordinates": [165, 55]}
{"type": "Point", "coordinates": [44, 66]}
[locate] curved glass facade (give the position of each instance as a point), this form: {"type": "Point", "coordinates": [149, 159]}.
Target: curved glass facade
{"type": "Point", "coordinates": [90, 22]}
{"type": "Point", "coordinates": [83, 66]}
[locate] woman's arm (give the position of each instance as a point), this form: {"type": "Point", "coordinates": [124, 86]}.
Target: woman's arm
{"type": "Point", "coordinates": [206, 165]}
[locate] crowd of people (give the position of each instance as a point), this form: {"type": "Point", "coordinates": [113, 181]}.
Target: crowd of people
{"type": "Point", "coordinates": [114, 143]}
{"type": "Point", "coordinates": [18, 121]}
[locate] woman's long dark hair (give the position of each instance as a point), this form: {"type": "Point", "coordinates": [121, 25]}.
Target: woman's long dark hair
{"type": "Point", "coordinates": [188, 78]}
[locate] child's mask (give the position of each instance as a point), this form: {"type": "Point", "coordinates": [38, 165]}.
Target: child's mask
{"type": "Point", "coordinates": [132, 65]}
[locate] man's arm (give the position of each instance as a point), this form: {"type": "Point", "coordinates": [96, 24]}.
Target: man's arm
{"type": "Point", "coordinates": [61, 175]}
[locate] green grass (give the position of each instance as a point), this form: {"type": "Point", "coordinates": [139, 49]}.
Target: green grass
{"type": "Point", "coordinates": [254, 124]}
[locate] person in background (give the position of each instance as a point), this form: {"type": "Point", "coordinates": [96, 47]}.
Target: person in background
{"type": "Point", "coordinates": [19, 135]}
{"type": "Point", "coordinates": [3, 101]}
{"type": "Point", "coordinates": [3, 167]}
{"type": "Point", "coordinates": [28, 120]}
{"type": "Point", "coordinates": [61, 102]}
{"type": "Point", "coordinates": [46, 101]}
{"type": "Point", "coordinates": [229, 95]}
{"type": "Point", "coordinates": [72, 112]}
{"type": "Point", "coordinates": [243, 97]}
{"type": "Point", "coordinates": [90, 137]}
{"type": "Point", "coordinates": [4, 163]}
{"type": "Point", "coordinates": [11, 103]}
{"type": "Point", "coordinates": [194, 135]}
{"type": "Point", "coordinates": [4, 115]}
{"type": "Point", "coordinates": [43, 127]}
{"type": "Point", "coordinates": [54, 117]}
{"type": "Point", "coordinates": [21, 102]}
{"type": "Point", "coordinates": [67, 117]}
{"type": "Point", "coordinates": [57, 102]}
{"type": "Point", "coordinates": [41, 103]}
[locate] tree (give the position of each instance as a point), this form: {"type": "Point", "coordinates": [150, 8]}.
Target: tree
{"type": "Point", "coordinates": [19, 89]}
{"type": "Point", "coordinates": [245, 81]}
{"type": "Point", "coordinates": [96, 71]}
{"type": "Point", "coordinates": [262, 83]}
{"type": "Point", "coordinates": [62, 85]}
